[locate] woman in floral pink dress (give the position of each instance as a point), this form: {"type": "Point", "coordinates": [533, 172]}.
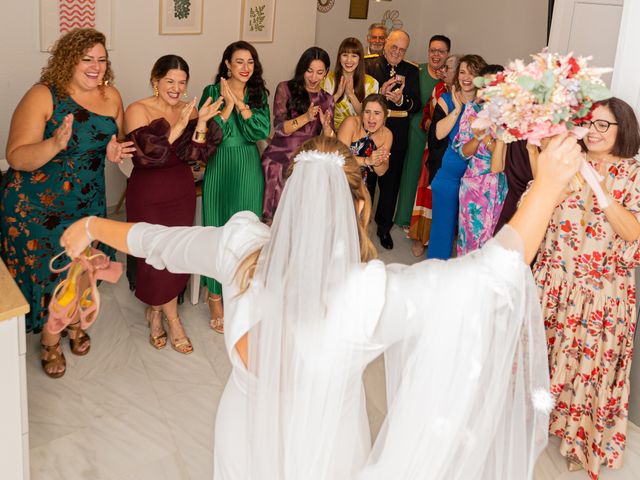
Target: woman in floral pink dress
{"type": "Point", "coordinates": [585, 273]}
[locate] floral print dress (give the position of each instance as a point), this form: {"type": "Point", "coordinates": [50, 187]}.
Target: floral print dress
{"type": "Point", "coordinates": [482, 192]}
{"type": "Point", "coordinates": [37, 206]}
{"type": "Point", "coordinates": [585, 275]}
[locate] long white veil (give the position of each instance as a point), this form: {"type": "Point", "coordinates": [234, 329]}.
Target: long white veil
{"type": "Point", "coordinates": [471, 393]}
{"type": "Point", "coordinates": [298, 363]}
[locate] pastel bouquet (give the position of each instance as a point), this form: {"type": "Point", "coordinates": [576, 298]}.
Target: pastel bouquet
{"type": "Point", "coordinates": [552, 94]}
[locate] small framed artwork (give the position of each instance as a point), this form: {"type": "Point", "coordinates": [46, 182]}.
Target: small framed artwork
{"type": "Point", "coordinates": [258, 18]}
{"type": "Point", "coordinates": [181, 17]}
{"type": "Point", "coordinates": [359, 9]}
{"type": "Point", "coordinates": [58, 17]}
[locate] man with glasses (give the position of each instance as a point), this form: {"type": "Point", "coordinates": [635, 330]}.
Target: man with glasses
{"type": "Point", "coordinates": [398, 80]}
{"type": "Point", "coordinates": [375, 38]}
{"type": "Point", "coordinates": [429, 75]}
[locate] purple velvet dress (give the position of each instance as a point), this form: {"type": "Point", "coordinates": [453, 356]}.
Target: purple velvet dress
{"type": "Point", "coordinates": [161, 190]}
{"type": "Point", "coordinates": [277, 155]}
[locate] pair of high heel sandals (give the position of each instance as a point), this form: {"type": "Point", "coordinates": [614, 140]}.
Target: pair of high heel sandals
{"type": "Point", "coordinates": [73, 308]}
{"type": "Point", "coordinates": [181, 345]}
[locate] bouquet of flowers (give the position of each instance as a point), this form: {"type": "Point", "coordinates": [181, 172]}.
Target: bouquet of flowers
{"type": "Point", "coordinates": [548, 96]}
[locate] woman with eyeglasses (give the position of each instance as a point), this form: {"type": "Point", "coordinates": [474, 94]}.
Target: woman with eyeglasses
{"type": "Point", "coordinates": [430, 75]}
{"type": "Point", "coordinates": [585, 276]}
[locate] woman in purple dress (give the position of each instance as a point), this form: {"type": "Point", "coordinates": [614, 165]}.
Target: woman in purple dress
{"type": "Point", "coordinates": [301, 110]}
{"type": "Point", "coordinates": [168, 133]}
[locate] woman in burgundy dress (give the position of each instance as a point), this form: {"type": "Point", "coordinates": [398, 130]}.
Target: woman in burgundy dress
{"type": "Point", "coordinates": [301, 110]}
{"type": "Point", "coordinates": [167, 134]}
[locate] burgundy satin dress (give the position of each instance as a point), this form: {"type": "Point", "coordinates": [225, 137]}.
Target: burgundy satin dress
{"type": "Point", "coordinates": [161, 190]}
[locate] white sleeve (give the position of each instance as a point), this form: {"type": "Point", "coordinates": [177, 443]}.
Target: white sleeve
{"type": "Point", "coordinates": [212, 251]}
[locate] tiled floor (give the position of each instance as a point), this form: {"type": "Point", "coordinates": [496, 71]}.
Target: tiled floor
{"type": "Point", "coordinates": [129, 412]}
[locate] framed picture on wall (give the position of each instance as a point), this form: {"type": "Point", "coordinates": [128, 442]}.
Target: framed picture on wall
{"type": "Point", "coordinates": [359, 9]}
{"type": "Point", "coordinates": [180, 17]}
{"type": "Point", "coordinates": [58, 17]}
{"type": "Point", "coordinates": [258, 18]}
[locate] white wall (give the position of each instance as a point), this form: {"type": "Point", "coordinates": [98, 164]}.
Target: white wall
{"type": "Point", "coordinates": [137, 44]}
{"type": "Point", "coordinates": [626, 85]}
{"type": "Point", "coordinates": [335, 25]}
{"type": "Point", "coordinates": [499, 30]}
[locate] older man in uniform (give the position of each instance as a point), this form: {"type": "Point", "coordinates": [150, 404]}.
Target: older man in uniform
{"type": "Point", "coordinates": [399, 83]}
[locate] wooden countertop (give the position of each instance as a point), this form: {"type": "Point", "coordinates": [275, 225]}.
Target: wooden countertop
{"type": "Point", "coordinates": [12, 302]}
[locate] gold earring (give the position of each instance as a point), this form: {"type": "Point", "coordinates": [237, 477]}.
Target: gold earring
{"type": "Point", "coordinates": [185, 94]}
{"type": "Point", "coordinates": [155, 90]}
{"type": "Point", "coordinates": [228, 73]}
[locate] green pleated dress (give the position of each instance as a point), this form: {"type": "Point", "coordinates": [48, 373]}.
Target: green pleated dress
{"type": "Point", "coordinates": [233, 179]}
{"type": "Point", "coordinates": [415, 149]}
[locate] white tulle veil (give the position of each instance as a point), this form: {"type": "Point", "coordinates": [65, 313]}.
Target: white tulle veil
{"type": "Point", "coordinates": [296, 360]}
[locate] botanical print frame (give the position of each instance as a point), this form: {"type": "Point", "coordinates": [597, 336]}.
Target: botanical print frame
{"type": "Point", "coordinates": [60, 16]}
{"type": "Point", "coordinates": [258, 18]}
{"type": "Point", "coordinates": [181, 17]}
{"type": "Point", "coordinates": [359, 9]}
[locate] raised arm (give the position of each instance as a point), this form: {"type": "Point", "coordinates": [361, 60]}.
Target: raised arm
{"type": "Point", "coordinates": [557, 164]}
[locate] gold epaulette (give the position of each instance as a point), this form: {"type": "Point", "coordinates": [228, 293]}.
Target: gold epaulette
{"type": "Point", "coordinates": [398, 113]}
{"type": "Point", "coordinates": [412, 63]}
{"type": "Point", "coordinates": [372, 55]}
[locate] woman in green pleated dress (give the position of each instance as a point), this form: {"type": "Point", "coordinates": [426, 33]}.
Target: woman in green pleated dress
{"type": "Point", "coordinates": [233, 180]}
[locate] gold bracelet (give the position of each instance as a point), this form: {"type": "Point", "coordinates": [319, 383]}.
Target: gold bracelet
{"type": "Point", "coordinates": [200, 136]}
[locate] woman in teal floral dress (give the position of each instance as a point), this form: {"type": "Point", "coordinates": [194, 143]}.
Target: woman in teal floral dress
{"type": "Point", "coordinates": [233, 180]}
{"type": "Point", "coordinates": [61, 132]}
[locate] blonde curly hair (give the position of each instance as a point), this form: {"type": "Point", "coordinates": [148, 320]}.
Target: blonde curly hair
{"type": "Point", "coordinates": [65, 56]}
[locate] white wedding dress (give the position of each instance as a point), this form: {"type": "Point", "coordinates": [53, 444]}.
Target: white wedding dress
{"type": "Point", "coordinates": [464, 388]}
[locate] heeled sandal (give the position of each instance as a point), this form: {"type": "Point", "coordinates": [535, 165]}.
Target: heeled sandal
{"type": "Point", "coordinates": [181, 345]}
{"type": "Point", "coordinates": [79, 340]}
{"type": "Point", "coordinates": [216, 323]}
{"type": "Point", "coordinates": [573, 465]}
{"type": "Point", "coordinates": [157, 341]}
{"type": "Point", "coordinates": [51, 357]}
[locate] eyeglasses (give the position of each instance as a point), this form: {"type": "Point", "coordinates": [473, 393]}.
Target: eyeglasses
{"type": "Point", "coordinates": [395, 48]}
{"type": "Point", "coordinates": [434, 51]}
{"type": "Point", "coordinates": [600, 125]}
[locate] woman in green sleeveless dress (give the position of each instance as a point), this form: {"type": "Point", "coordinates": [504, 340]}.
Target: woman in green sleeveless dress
{"type": "Point", "coordinates": [233, 180]}
{"type": "Point", "coordinates": [61, 132]}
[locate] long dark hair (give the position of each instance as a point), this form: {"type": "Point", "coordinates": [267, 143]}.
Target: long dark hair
{"type": "Point", "coordinates": [256, 86]}
{"type": "Point", "coordinates": [166, 63]}
{"type": "Point", "coordinates": [352, 45]}
{"type": "Point", "coordinates": [300, 101]}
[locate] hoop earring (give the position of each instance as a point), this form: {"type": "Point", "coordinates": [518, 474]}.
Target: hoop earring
{"type": "Point", "coordinates": [155, 90]}
{"type": "Point", "coordinates": [228, 73]}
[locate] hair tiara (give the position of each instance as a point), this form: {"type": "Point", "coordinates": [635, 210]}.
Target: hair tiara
{"type": "Point", "coordinates": [313, 156]}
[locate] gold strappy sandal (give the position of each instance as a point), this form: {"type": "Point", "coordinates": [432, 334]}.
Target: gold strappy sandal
{"type": "Point", "coordinates": [216, 323]}
{"type": "Point", "coordinates": [157, 341]}
{"type": "Point", "coordinates": [181, 345]}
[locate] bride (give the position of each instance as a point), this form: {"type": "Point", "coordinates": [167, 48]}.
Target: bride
{"type": "Point", "coordinates": [309, 308]}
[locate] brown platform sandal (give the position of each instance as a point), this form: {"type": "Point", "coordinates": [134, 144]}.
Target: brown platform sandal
{"type": "Point", "coordinates": [180, 345]}
{"type": "Point", "coordinates": [79, 340]}
{"type": "Point", "coordinates": [216, 323]}
{"type": "Point", "coordinates": [51, 356]}
{"type": "Point", "coordinates": [157, 341]}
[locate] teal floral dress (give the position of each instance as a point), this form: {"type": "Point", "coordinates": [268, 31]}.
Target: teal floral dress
{"type": "Point", "coordinates": [37, 206]}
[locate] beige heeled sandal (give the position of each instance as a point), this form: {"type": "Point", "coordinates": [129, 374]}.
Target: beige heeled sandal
{"type": "Point", "coordinates": [216, 323]}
